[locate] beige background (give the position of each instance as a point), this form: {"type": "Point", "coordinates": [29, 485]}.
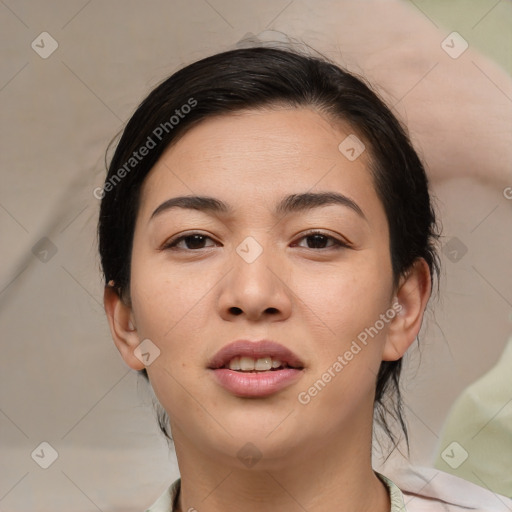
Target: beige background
{"type": "Point", "coordinates": [62, 380]}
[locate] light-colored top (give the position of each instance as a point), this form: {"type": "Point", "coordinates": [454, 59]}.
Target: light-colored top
{"type": "Point", "coordinates": [423, 490]}
{"type": "Point", "coordinates": [167, 502]}
{"type": "Point", "coordinates": [476, 443]}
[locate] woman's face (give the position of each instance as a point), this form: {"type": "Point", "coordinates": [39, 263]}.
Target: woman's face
{"type": "Point", "coordinates": [256, 273]}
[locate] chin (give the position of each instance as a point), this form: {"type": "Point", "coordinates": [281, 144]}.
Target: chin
{"type": "Point", "coordinates": [258, 452]}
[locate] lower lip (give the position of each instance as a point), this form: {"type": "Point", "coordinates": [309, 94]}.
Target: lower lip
{"type": "Point", "coordinates": [261, 384]}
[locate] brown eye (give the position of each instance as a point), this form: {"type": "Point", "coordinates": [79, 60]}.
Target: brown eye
{"type": "Point", "coordinates": [319, 240]}
{"type": "Point", "coordinates": [191, 242]}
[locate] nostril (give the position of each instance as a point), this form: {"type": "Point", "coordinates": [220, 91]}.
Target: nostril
{"type": "Point", "coordinates": [236, 311]}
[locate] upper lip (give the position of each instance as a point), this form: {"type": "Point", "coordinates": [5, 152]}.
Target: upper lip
{"type": "Point", "coordinates": [256, 350]}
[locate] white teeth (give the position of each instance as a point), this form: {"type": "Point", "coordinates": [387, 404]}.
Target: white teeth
{"type": "Point", "coordinates": [263, 364]}
{"type": "Point", "coordinates": [248, 364]}
{"type": "Point", "coordinates": [234, 364]}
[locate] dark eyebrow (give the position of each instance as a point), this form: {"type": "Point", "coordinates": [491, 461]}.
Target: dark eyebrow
{"type": "Point", "coordinates": [201, 203]}
{"type": "Point", "coordinates": [290, 204]}
{"type": "Point", "coordinates": [310, 200]}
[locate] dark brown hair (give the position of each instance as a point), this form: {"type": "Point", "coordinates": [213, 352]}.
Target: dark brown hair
{"type": "Point", "coordinates": [264, 77]}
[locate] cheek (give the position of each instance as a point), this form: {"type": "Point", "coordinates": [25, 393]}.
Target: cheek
{"type": "Point", "coordinates": [345, 301]}
{"type": "Point", "coordinates": [348, 337]}
{"type": "Point", "coordinates": [166, 302]}
{"type": "Point", "coordinates": [169, 309]}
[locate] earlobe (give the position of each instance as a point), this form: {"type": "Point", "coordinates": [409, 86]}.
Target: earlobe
{"type": "Point", "coordinates": [124, 333]}
{"type": "Point", "coordinates": [412, 297]}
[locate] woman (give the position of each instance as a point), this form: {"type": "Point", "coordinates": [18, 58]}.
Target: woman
{"type": "Point", "coordinates": [267, 240]}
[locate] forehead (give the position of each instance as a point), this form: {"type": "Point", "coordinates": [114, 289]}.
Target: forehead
{"type": "Point", "coordinates": [258, 156]}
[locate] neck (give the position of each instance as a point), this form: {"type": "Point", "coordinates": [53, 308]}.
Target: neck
{"type": "Point", "coordinates": [337, 476]}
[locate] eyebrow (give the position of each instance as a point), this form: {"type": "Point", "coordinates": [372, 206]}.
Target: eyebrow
{"type": "Point", "coordinates": [293, 203]}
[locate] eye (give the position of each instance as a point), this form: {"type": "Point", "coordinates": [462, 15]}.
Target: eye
{"type": "Point", "coordinates": [196, 241]}
{"type": "Point", "coordinates": [190, 241]}
{"type": "Point", "coordinates": [318, 240]}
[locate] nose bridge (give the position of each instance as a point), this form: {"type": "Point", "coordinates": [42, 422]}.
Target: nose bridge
{"type": "Point", "coordinates": [251, 261]}
{"type": "Point", "coordinates": [254, 287]}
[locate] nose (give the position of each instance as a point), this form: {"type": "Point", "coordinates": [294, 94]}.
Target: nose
{"type": "Point", "coordinates": [256, 290]}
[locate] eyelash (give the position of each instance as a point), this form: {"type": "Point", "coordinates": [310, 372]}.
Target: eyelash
{"type": "Point", "coordinates": [337, 244]}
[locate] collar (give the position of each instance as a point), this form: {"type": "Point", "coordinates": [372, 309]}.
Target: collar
{"type": "Point", "coordinates": [167, 502]}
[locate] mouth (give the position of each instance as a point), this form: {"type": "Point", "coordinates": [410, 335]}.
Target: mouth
{"type": "Point", "coordinates": [255, 356]}
{"type": "Point", "coordinates": [255, 368]}
{"type": "Point", "coordinates": [262, 364]}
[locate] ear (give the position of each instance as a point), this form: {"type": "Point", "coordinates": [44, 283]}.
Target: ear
{"type": "Point", "coordinates": [122, 328]}
{"type": "Point", "coordinates": [413, 293]}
